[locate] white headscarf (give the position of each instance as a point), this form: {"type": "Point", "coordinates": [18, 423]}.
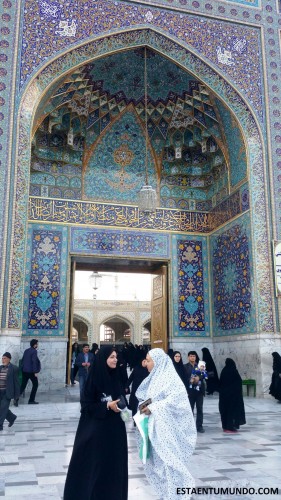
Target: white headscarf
{"type": "Point", "coordinates": [171, 427]}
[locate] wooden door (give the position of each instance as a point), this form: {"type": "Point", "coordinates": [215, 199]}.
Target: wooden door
{"type": "Point", "coordinates": [71, 311]}
{"type": "Point", "coordinates": [159, 323]}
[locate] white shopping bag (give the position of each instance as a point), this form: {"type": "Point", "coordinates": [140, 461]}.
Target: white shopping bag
{"type": "Point", "coordinates": [142, 424]}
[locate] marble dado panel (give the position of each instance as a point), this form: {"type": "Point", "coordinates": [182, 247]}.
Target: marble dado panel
{"type": "Point", "coordinates": [52, 354]}
{"type": "Point", "coordinates": [46, 272]}
{"type": "Point", "coordinates": [252, 355]}
{"type": "Point", "coordinates": [190, 287]}
{"type": "Point", "coordinates": [253, 361]}
{"type": "Point", "coordinates": [233, 48]}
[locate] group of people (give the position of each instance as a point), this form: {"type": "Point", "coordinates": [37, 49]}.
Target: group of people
{"type": "Point", "coordinates": [101, 440]}
{"type": "Point", "coordinates": [201, 377]}
{"type": "Point", "coordinates": [171, 391]}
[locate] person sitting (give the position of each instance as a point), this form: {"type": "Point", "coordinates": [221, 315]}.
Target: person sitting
{"type": "Point", "coordinates": [98, 467]}
{"type": "Point", "coordinates": [171, 427]}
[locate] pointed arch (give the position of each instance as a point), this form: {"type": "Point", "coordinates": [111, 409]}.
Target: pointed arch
{"type": "Point", "coordinates": [187, 58]}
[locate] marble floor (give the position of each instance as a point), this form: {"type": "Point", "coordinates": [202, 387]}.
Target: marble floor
{"type": "Point", "coordinates": [35, 452]}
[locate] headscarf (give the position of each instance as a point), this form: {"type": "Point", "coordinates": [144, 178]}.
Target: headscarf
{"type": "Point", "coordinates": [275, 386]}
{"type": "Point", "coordinates": [230, 376]}
{"type": "Point", "coordinates": [102, 377]}
{"type": "Point", "coordinates": [231, 398]}
{"type": "Point", "coordinates": [171, 426]}
{"type": "Point", "coordinates": [180, 368]}
{"type": "Point", "coordinates": [213, 378]}
{"type": "Point", "coordinates": [276, 362]}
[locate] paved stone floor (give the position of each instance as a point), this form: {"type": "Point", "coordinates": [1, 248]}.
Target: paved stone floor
{"type": "Point", "coordinates": [35, 452]}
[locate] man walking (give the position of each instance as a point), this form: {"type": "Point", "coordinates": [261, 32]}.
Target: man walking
{"type": "Point", "coordinates": [196, 389]}
{"type": "Point", "coordinates": [84, 360]}
{"type": "Point", "coordinates": [9, 389]}
{"type": "Point", "coordinates": [31, 366]}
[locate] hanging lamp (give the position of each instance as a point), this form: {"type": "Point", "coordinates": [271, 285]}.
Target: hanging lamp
{"type": "Point", "coordinates": [147, 198]}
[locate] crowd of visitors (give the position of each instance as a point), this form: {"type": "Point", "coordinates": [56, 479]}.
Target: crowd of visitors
{"type": "Point", "coordinates": [161, 390]}
{"type": "Point", "coordinates": [167, 391]}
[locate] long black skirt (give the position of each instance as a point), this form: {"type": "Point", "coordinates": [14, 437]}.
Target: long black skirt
{"type": "Point", "coordinates": [98, 468]}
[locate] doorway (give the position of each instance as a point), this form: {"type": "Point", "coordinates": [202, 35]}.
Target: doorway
{"type": "Point", "coordinates": [112, 301]}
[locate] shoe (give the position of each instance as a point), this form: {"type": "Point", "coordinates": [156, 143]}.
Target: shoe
{"type": "Point", "coordinates": [229, 432]}
{"type": "Point", "coordinates": [33, 403]}
{"type": "Point", "coordinates": [16, 402]}
{"type": "Point", "coordinates": [201, 430]}
{"type": "Point", "coordinates": [13, 421]}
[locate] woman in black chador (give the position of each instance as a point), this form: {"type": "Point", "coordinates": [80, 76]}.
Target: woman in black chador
{"type": "Point", "coordinates": [275, 386]}
{"type": "Point", "coordinates": [98, 467]}
{"type": "Point", "coordinates": [231, 404]}
{"type": "Point", "coordinates": [138, 374]}
{"type": "Point", "coordinates": [213, 379]}
{"type": "Point", "coordinates": [178, 364]}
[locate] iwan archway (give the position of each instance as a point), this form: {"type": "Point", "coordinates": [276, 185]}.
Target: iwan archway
{"type": "Point", "coordinates": [191, 238]}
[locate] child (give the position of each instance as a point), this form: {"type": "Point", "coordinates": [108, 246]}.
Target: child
{"type": "Point", "coordinates": [198, 371]}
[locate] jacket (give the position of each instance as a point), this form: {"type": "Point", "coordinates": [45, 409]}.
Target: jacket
{"type": "Point", "coordinates": [12, 382]}
{"type": "Point", "coordinates": [188, 368]}
{"type": "Point", "coordinates": [82, 371]}
{"type": "Point", "coordinates": [30, 361]}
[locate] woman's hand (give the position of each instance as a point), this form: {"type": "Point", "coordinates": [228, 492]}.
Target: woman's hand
{"type": "Point", "coordinates": [112, 405]}
{"type": "Point", "coordinates": [146, 411]}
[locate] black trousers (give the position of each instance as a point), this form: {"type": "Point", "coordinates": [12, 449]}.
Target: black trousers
{"type": "Point", "coordinates": [196, 398]}
{"type": "Point", "coordinates": [5, 413]}
{"type": "Point", "coordinates": [26, 376]}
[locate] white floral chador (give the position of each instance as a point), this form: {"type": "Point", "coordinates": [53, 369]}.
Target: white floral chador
{"type": "Point", "coordinates": [171, 428]}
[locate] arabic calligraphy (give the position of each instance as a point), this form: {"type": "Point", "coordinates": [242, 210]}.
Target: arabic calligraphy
{"type": "Point", "coordinates": [91, 213]}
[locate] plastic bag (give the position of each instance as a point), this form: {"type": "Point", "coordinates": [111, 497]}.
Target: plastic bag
{"type": "Point", "coordinates": [142, 424]}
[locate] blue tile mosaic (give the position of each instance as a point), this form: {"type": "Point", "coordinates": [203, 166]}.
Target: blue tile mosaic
{"type": "Point", "coordinates": [229, 46]}
{"type": "Point", "coordinates": [46, 272]}
{"type": "Point", "coordinates": [115, 171]}
{"type": "Point", "coordinates": [232, 280]}
{"type": "Point", "coordinates": [119, 243]}
{"type": "Point", "coordinates": [236, 146]}
{"type": "Point", "coordinates": [190, 287]}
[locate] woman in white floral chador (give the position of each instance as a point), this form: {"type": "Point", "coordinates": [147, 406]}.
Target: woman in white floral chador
{"type": "Point", "coordinates": [171, 427]}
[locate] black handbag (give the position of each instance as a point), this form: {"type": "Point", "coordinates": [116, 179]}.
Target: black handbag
{"type": "Point", "coordinates": [122, 404]}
